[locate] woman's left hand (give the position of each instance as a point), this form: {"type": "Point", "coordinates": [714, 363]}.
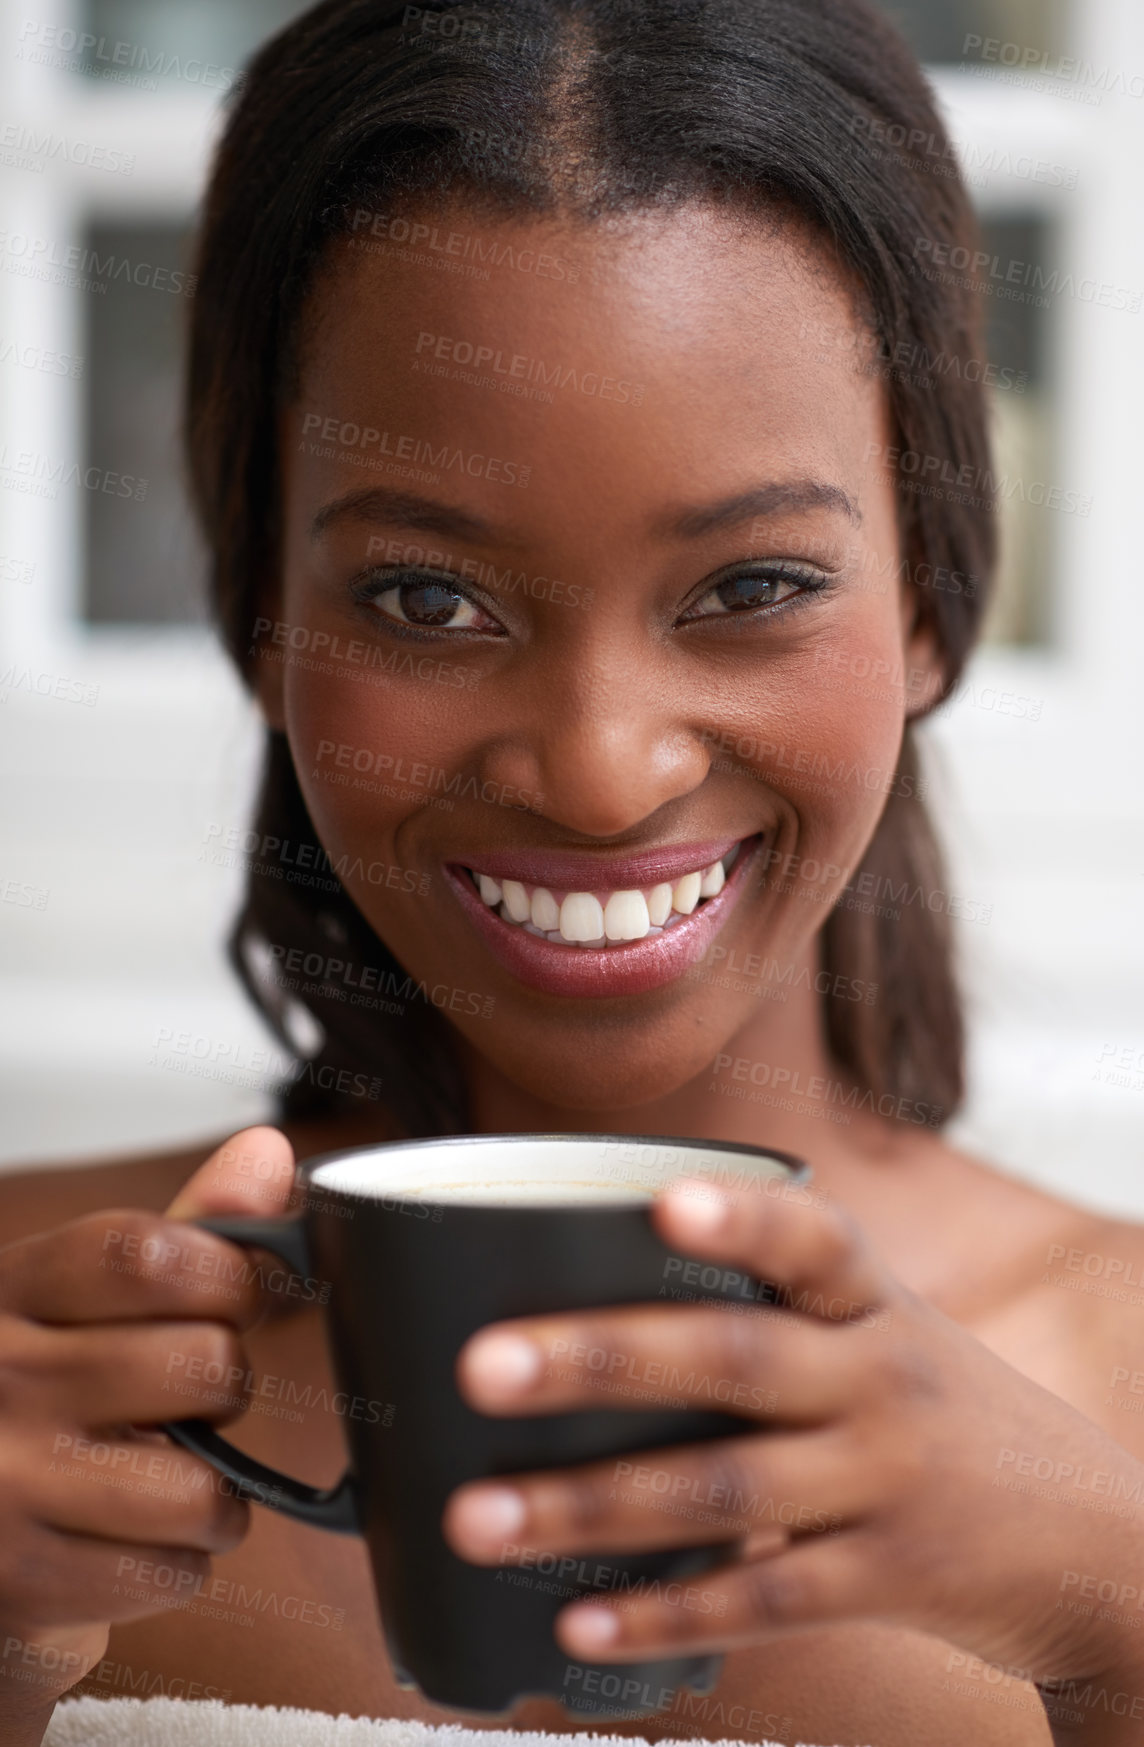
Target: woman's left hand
{"type": "Point", "coordinates": [890, 1475]}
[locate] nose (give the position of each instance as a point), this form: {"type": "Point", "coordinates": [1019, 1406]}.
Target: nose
{"type": "Point", "coordinates": [606, 742]}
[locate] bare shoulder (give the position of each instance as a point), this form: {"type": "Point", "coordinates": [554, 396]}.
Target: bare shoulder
{"type": "Point", "coordinates": [36, 1197]}
{"type": "Point", "coordinates": [1101, 1275]}
{"type": "Point", "coordinates": [1076, 1324]}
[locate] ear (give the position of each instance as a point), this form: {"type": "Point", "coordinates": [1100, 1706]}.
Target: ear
{"type": "Point", "coordinates": [265, 672]}
{"type": "Point", "coordinates": [922, 656]}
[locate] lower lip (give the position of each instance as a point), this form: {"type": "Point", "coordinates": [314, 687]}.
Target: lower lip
{"type": "Point", "coordinates": [631, 969]}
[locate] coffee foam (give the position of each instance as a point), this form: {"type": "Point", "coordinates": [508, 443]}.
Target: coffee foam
{"type": "Point", "coordinates": [535, 1170]}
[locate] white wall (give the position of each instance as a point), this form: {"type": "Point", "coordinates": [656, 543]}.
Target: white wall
{"type": "Point", "coordinates": [108, 807]}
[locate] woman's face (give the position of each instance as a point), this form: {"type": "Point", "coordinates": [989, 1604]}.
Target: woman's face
{"type": "Point", "coordinates": [587, 565]}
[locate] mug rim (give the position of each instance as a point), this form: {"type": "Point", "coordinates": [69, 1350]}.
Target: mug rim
{"type": "Point", "coordinates": [799, 1169]}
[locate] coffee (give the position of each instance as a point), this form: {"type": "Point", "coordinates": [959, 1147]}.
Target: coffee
{"type": "Point", "coordinates": [560, 1171]}
{"type": "Point", "coordinates": [526, 1193]}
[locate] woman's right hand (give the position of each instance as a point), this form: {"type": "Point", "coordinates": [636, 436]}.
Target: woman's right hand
{"type": "Point", "coordinates": [107, 1323]}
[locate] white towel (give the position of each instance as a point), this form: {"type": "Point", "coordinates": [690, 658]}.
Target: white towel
{"type": "Point", "coordinates": [172, 1722]}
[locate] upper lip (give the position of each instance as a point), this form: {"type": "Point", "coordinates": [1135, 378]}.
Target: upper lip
{"type": "Point", "coordinates": [588, 871]}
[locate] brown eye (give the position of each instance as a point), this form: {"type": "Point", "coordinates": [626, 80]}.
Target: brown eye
{"type": "Point", "coordinates": [429, 603]}
{"type": "Point", "coordinates": [752, 589]}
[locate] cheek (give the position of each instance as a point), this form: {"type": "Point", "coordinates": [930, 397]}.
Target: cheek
{"type": "Point", "coordinates": [369, 748]}
{"type": "Point", "coordinates": [828, 741]}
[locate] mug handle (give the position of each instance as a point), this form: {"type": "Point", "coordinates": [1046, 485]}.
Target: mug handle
{"type": "Point", "coordinates": [334, 1509]}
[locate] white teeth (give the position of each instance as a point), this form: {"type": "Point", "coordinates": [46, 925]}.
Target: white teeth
{"type": "Point", "coordinates": [516, 901]}
{"type": "Point", "coordinates": [712, 882]}
{"type": "Point", "coordinates": [659, 905]}
{"type": "Point", "coordinates": [685, 893]}
{"type": "Point", "coordinates": [583, 920]}
{"type": "Point", "coordinates": [626, 916]}
{"type": "Point", "coordinates": [545, 910]}
{"type": "Point", "coordinates": [582, 917]}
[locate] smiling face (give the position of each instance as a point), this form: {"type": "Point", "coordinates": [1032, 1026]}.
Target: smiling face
{"type": "Point", "coordinates": [583, 567]}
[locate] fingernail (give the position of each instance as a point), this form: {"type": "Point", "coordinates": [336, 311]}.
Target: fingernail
{"type": "Point", "coordinates": [706, 1208]}
{"type": "Point", "coordinates": [503, 1363]}
{"type": "Point", "coordinates": [491, 1513]}
{"type": "Point", "coordinates": [592, 1627]}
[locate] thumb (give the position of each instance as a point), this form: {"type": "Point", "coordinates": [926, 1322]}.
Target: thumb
{"type": "Point", "coordinates": [252, 1172]}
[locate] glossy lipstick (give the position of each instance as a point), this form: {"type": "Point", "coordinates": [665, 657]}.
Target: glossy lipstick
{"type": "Point", "coordinates": [633, 968]}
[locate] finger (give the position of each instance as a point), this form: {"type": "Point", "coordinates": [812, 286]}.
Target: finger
{"type": "Point", "coordinates": [818, 1255]}
{"type": "Point", "coordinates": [762, 1363]}
{"type": "Point", "coordinates": [685, 1495]}
{"type": "Point", "coordinates": [130, 1490]}
{"type": "Point", "coordinates": [79, 1578]}
{"type": "Point", "coordinates": [252, 1172]}
{"type": "Point", "coordinates": [128, 1263]}
{"type": "Point", "coordinates": [126, 1374]}
{"type": "Point", "coordinates": [813, 1582]}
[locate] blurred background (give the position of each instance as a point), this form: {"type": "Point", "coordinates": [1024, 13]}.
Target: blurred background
{"type": "Point", "coordinates": [127, 751]}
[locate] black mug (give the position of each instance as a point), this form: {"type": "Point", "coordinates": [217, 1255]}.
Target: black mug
{"type": "Point", "coordinates": [420, 1243]}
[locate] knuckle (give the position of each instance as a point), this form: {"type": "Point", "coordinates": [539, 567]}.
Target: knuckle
{"type": "Point", "coordinates": [840, 1240]}
{"type": "Point", "coordinates": [581, 1501]}
{"type": "Point", "coordinates": [740, 1342]}
{"type": "Point", "coordinates": [732, 1475]}
{"type": "Point", "coordinates": [209, 1355]}
{"type": "Point", "coordinates": [775, 1595]}
{"type": "Point", "coordinates": [224, 1518]}
{"type": "Point", "coordinates": [24, 1351]}
{"type": "Point", "coordinates": [907, 1372]}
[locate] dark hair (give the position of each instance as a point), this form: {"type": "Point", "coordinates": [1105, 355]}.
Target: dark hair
{"type": "Point", "coordinates": [582, 108]}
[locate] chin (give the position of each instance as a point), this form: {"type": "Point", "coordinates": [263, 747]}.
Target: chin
{"type": "Point", "coordinates": [607, 1079]}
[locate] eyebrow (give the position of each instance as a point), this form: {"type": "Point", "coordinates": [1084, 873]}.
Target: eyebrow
{"type": "Point", "coordinates": [384, 506]}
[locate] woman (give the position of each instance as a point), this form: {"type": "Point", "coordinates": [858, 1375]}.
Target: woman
{"type": "Point", "coordinates": [552, 371]}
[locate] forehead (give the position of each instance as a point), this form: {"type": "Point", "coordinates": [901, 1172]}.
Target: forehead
{"type": "Point", "coordinates": [688, 341]}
